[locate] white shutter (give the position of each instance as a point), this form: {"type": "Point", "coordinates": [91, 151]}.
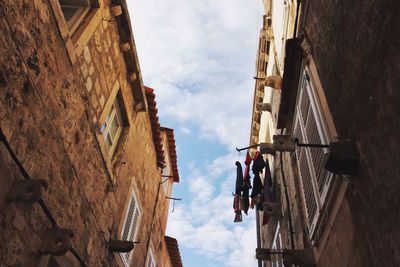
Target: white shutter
{"type": "Point", "coordinates": [130, 226]}
{"type": "Point", "coordinates": [310, 129]}
{"type": "Point", "coordinates": [277, 260]}
{"type": "Point", "coordinates": [150, 259]}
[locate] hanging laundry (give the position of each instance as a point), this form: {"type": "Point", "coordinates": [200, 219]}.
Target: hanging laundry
{"type": "Point", "coordinates": [236, 208]}
{"type": "Point", "coordinates": [245, 199]}
{"type": "Point", "coordinates": [246, 183]}
{"type": "Point", "coordinates": [268, 191]}
{"type": "Point", "coordinates": [257, 168]}
{"type": "Point", "coordinates": [246, 176]}
{"type": "Point", "coordinates": [239, 178]}
{"type": "Point", "coordinates": [258, 163]}
{"type": "Point", "coordinates": [257, 189]}
{"type": "Point", "coordinates": [238, 193]}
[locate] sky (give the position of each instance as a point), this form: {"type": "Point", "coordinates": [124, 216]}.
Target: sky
{"type": "Point", "coordinates": [199, 56]}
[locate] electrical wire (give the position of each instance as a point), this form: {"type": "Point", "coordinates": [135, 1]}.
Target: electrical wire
{"type": "Point", "coordinates": [41, 202]}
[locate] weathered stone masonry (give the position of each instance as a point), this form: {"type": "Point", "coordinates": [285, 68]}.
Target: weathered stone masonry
{"type": "Point", "coordinates": [51, 106]}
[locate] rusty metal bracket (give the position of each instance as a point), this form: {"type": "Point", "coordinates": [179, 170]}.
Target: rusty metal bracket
{"type": "Point", "coordinates": [27, 191]}
{"type": "Point", "coordinates": [56, 241]}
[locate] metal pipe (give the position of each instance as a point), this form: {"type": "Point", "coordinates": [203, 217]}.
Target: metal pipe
{"type": "Point", "coordinates": [13, 156]}
{"type": "Point", "coordinates": [169, 177]}
{"type": "Point", "coordinates": [42, 204]}
{"type": "Point", "coordinates": [174, 198]}
{"type": "Point", "coordinates": [244, 148]}
{"type": "Point", "coordinates": [296, 141]}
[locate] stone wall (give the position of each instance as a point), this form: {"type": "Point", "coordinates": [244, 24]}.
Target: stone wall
{"type": "Point", "coordinates": [355, 47]}
{"type": "Point", "coordinates": [50, 112]}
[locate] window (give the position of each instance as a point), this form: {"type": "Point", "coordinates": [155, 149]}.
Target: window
{"type": "Point", "coordinates": [74, 12]}
{"type": "Point", "coordinates": [130, 228]}
{"type": "Point", "coordinates": [150, 259]}
{"type": "Point", "coordinates": [112, 126]}
{"type": "Point", "coordinates": [310, 127]}
{"type": "Point", "coordinates": [276, 259]}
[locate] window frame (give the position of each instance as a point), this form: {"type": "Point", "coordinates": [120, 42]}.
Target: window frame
{"type": "Point", "coordinates": [137, 212]}
{"type": "Point", "coordinates": [277, 259]}
{"type": "Point", "coordinates": [115, 99]}
{"type": "Point", "coordinates": [150, 261]}
{"type": "Point", "coordinates": [305, 158]}
{"type": "Point", "coordinates": [76, 37]}
{"type": "Point", "coordinates": [115, 113]}
{"type": "Point", "coordinates": [76, 20]}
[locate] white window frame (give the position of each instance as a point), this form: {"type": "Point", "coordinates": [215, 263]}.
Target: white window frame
{"type": "Point", "coordinates": [131, 225]}
{"type": "Point", "coordinates": [83, 8]}
{"type": "Point", "coordinates": [150, 261]}
{"type": "Point", "coordinates": [314, 189]}
{"type": "Point", "coordinates": [276, 259]}
{"type": "Point", "coordinates": [107, 129]}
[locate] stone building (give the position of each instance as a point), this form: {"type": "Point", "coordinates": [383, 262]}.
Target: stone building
{"type": "Point", "coordinates": [83, 158]}
{"type": "Point", "coordinates": [330, 76]}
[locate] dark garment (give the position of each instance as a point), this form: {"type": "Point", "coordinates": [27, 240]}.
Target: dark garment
{"type": "Point", "coordinates": [268, 191]}
{"type": "Point", "coordinates": [258, 163]}
{"type": "Point", "coordinates": [257, 185]}
{"type": "Point", "coordinates": [238, 192]}
{"type": "Point", "coordinates": [239, 178]}
{"type": "Point", "coordinates": [245, 198]}
{"type": "Point", "coordinates": [257, 168]}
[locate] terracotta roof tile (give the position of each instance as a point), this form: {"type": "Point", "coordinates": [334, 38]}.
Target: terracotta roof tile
{"type": "Point", "coordinates": [172, 152]}
{"type": "Point", "coordinates": [173, 251]}
{"type": "Point", "coordinates": [155, 125]}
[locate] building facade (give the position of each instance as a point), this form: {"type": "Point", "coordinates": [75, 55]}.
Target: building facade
{"type": "Point", "coordinates": [82, 154]}
{"type": "Point", "coordinates": [330, 77]}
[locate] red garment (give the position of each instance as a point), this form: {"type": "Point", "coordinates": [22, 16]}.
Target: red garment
{"type": "Point", "coordinates": [247, 162]}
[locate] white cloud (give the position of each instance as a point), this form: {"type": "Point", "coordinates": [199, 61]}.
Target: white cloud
{"type": "Point", "coordinates": [185, 130]}
{"type": "Point", "coordinates": [206, 225]}
{"type": "Point", "coordinates": [200, 57]}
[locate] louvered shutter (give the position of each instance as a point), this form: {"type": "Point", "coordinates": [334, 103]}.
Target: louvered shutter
{"type": "Point", "coordinates": [310, 128]}
{"type": "Point", "coordinates": [130, 227]}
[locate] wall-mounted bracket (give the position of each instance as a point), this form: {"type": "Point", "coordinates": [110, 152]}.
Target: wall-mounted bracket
{"type": "Point", "coordinates": [299, 257]}
{"type": "Point", "coordinates": [27, 191]}
{"type": "Point", "coordinates": [121, 246]}
{"type": "Point", "coordinates": [56, 241]}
